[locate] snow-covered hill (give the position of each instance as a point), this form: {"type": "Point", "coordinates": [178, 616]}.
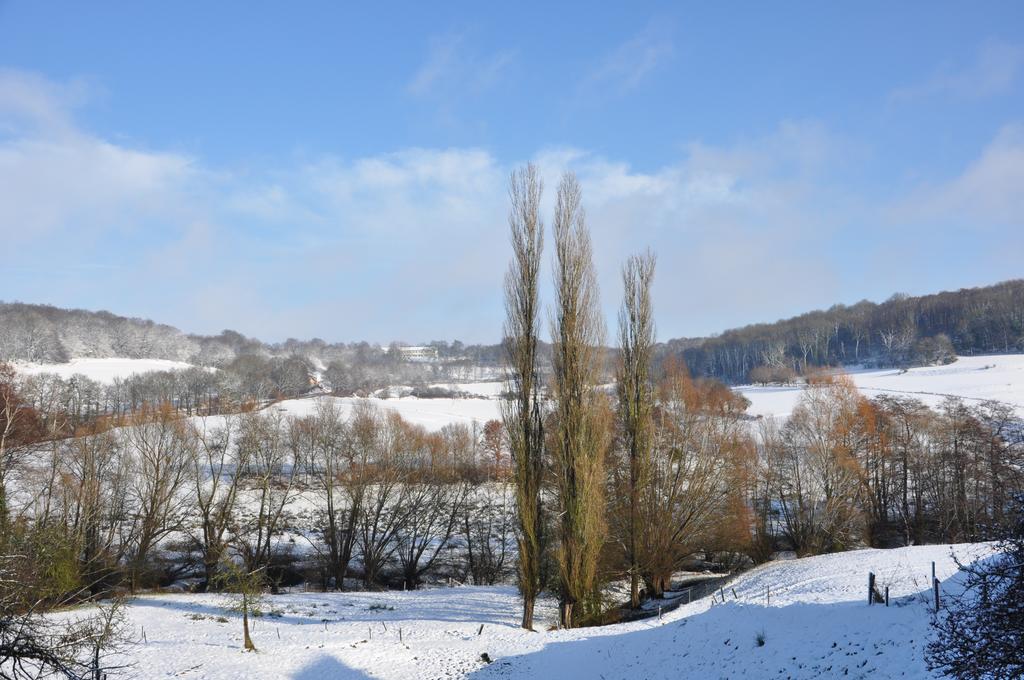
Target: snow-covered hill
{"type": "Point", "coordinates": [818, 624]}
{"type": "Point", "coordinates": [999, 377]}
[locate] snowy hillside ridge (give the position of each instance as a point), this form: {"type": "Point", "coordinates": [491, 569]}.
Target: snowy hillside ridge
{"type": "Point", "coordinates": [818, 624]}
{"type": "Point", "coordinates": [997, 377]}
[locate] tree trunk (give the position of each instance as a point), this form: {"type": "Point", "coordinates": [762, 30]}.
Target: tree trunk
{"type": "Point", "coordinates": [528, 602]}
{"type": "Point", "coordinates": [249, 646]}
{"type": "Point", "coordinates": [567, 621]}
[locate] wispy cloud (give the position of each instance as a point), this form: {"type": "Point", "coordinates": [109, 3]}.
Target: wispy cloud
{"type": "Point", "coordinates": [993, 72]}
{"type": "Point", "coordinates": [453, 66]}
{"type": "Point", "coordinates": [631, 62]}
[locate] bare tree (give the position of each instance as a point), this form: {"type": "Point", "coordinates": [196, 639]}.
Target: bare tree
{"type": "Point", "coordinates": [698, 433]}
{"type": "Point", "coordinates": [579, 442]}
{"type": "Point", "coordinates": [336, 469]}
{"type": "Point", "coordinates": [384, 509]}
{"type": "Point", "coordinates": [271, 475]}
{"type": "Point", "coordinates": [488, 531]}
{"type": "Point", "coordinates": [433, 507]}
{"type": "Point", "coordinates": [521, 410]}
{"type": "Point", "coordinates": [19, 427]}
{"type": "Point", "coordinates": [820, 478]}
{"type": "Point", "coordinates": [158, 451]}
{"type": "Point", "coordinates": [218, 464]}
{"type": "Point", "coordinates": [247, 586]}
{"type": "Point", "coordinates": [636, 403]}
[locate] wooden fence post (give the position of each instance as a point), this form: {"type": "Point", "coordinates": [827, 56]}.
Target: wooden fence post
{"type": "Point", "coordinates": [935, 585]}
{"type": "Point", "coordinates": [871, 587]}
{"type": "Point", "coordinates": [887, 596]}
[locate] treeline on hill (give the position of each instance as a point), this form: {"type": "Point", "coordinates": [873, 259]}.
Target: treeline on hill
{"type": "Point", "coordinates": [246, 380]}
{"type": "Point", "coordinates": [901, 331]}
{"type": "Point", "coordinates": [45, 334]}
{"type": "Point", "coordinates": [244, 383]}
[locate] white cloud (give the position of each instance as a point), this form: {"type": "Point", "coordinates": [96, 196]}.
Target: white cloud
{"type": "Point", "coordinates": [993, 72]}
{"type": "Point", "coordinates": [987, 192]}
{"type": "Point", "coordinates": [53, 175]}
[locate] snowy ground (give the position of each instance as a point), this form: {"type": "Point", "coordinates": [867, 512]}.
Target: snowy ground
{"type": "Point", "coordinates": [999, 377]}
{"type": "Point", "coordinates": [103, 370]}
{"type": "Point", "coordinates": [432, 414]}
{"type": "Point", "coordinates": [818, 624]}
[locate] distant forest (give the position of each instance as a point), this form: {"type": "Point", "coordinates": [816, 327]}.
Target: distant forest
{"type": "Point", "coordinates": [904, 330]}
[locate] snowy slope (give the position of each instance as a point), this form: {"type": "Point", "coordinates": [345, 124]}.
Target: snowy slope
{"type": "Point", "coordinates": [103, 370]}
{"type": "Point", "coordinates": [999, 377]}
{"type": "Point", "coordinates": [817, 625]}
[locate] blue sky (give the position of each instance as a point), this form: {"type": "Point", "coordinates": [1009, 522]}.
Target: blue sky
{"type": "Point", "coordinates": [320, 170]}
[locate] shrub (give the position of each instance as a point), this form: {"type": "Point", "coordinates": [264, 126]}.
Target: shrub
{"type": "Point", "coordinates": [981, 634]}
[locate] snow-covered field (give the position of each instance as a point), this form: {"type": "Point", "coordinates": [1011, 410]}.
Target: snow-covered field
{"type": "Point", "coordinates": [818, 624]}
{"type": "Point", "coordinates": [999, 377]}
{"type": "Point", "coordinates": [102, 370]}
{"type": "Point", "coordinates": [432, 414]}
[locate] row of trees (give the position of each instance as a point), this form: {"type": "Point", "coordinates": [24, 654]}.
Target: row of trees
{"type": "Point", "coordinates": [903, 330]}
{"type": "Point", "coordinates": [846, 471]}
{"type": "Point", "coordinates": [150, 499]}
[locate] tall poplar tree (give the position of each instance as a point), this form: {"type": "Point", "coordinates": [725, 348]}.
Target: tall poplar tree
{"type": "Point", "coordinates": [636, 403]}
{"type": "Point", "coordinates": [521, 409]}
{"type": "Point", "coordinates": [579, 442]}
